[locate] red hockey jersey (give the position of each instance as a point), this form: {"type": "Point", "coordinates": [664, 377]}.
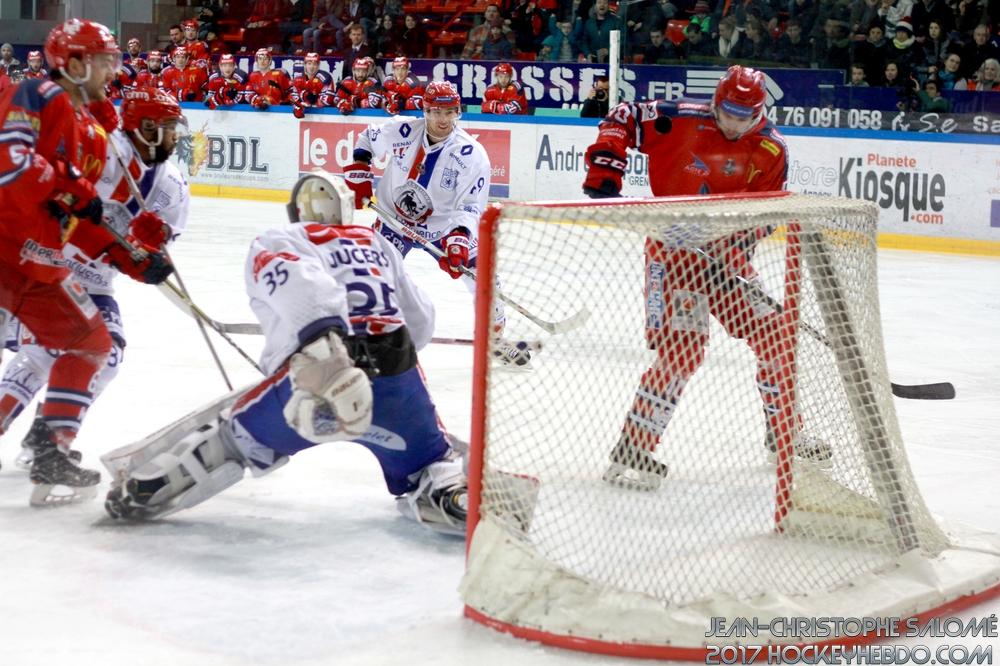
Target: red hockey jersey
{"type": "Point", "coordinates": [188, 84]}
{"type": "Point", "coordinates": [509, 100]}
{"type": "Point", "coordinates": [268, 88]}
{"type": "Point", "coordinates": [226, 92]}
{"type": "Point", "coordinates": [317, 91]}
{"type": "Point", "coordinates": [353, 94]}
{"type": "Point", "coordinates": [405, 96]}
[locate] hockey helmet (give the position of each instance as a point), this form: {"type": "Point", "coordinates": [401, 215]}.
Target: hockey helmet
{"type": "Point", "coordinates": [401, 61]}
{"type": "Point", "coordinates": [263, 58]}
{"type": "Point", "coordinates": [78, 38]}
{"type": "Point", "coordinates": [311, 57]}
{"type": "Point", "coordinates": [362, 64]}
{"type": "Point", "coordinates": [148, 103]}
{"type": "Point", "coordinates": [441, 95]}
{"type": "Point", "coordinates": [227, 59]}
{"type": "Point", "coordinates": [741, 94]}
{"type": "Point", "coordinates": [321, 197]}
{"type": "Point", "coordinates": [134, 42]}
{"type": "Point", "coordinates": [190, 24]}
{"type": "Point", "coordinates": [504, 68]}
{"type": "Point", "coordinates": [34, 57]}
{"type": "Point", "coordinates": [179, 52]}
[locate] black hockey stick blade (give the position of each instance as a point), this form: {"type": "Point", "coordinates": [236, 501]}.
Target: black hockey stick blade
{"type": "Point", "coordinates": [939, 391]}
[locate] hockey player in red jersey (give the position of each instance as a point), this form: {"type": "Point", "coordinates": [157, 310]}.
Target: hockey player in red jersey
{"type": "Point", "coordinates": [152, 76]}
{"type": "Point", "coordinates": [505, 96]}
{"type": "Point", "coordinates": [312, 87]}
{"type": "Point", "coordinates": [124, 79]}
{"type": "Point", "coordinates": [46, 201]}
{"type": "Point", "coordinates": [727, 146]}
{"type": "Point", "coordinates": [360, 91]}
{"type": "Point", "coordinates": [267, 86]}
{"type": "Point", "coordinates": [226, 86]}
{"type": "Point", "coordinates": [402, 91]}
{"type": "Point", "coordinates": [132, 55]}
{"type": "Point", "coordinates": [197, 50]}
{"type": "Point", "coordinates": [185, 80]}
{"type": "Point", "coordinates": [34, 70]}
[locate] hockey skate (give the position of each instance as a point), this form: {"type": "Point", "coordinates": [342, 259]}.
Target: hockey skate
{"type": "Point", "coordinates": [52, 468]}
{"type": "Point", "coordinates": [515, 355]}
{"type": "Point", "coordinates": [807, 447]}
{"type": "Point", "coordinates": [35, 439]}
{"type": "Point", "coordinates": [441, 498]}
{"type": "Point", "coordinates": [634, 468]}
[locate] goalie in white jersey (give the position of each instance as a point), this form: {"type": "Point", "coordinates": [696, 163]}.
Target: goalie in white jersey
{"type": "Point", "coordinates": [343, 323]}
{"type": "Point", "coordinates": [436, 181]}
{"type": "Point", "coordinates": [152, 123]}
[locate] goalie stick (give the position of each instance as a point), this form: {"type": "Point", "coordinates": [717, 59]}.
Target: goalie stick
{"type": "Point", "coordinates": [933, 391]}
{"type": "Point", "coordinates": [554, 327]}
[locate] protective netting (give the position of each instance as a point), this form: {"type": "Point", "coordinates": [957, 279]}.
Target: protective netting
{"type": "Point", "coordinates": [732, 520]}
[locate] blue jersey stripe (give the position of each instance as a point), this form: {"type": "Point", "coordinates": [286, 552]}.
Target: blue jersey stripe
{"type": "Point", "coordinates": [425, 178]}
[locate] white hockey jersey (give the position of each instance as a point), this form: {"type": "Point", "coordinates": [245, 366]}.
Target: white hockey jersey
{"type": "Point", "coordinates": [162, 186]}
{"type": "Point", "coordinates": [436, 188]}
{"type": "Point", "coordinates": [304, 278]}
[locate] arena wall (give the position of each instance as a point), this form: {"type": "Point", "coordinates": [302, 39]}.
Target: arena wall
{"type": "Point", "coordinates": [937, 192]}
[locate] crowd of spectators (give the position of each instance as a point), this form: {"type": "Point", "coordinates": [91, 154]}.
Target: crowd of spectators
{"type": "Point", "coordinates": [899, 44]}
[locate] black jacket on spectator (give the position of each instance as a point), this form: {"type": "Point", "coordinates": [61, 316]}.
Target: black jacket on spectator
{"type": "Point", "coordinates": [925, 11]}
{"type": "Point", "coordinates": [762, 49]}
{"type": "Point", "coordinates": [795, 55]}
{"type": "Point", "coordinates": [705, 48]}
{"type": "Point", "coordinates": [908, 57]}
{"type": "Point", "coordinates": [413, 43]}
{"type": "Point", "coordinates": [832, 53]}
{"type": "Point", "coordinates": [652, 55]}
{"type": "Point", "coordinates": [804, 11]}
{"type": "Point", "coordinates": [872, 57]}
{"type": "Point", "coordinates": [973, 56]}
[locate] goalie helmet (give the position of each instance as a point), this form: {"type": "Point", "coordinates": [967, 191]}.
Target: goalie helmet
{"type": "Point", "coordinates": [78, 38]}
{"type": "Point", "coordinates": [321, 197]}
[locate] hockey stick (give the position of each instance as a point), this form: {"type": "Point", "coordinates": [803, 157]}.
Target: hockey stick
{"type": "Point", "coordinates": [182, 291]}
{"type": "Point", "coordinates": [554, 327]}
{"type": "Point", "coordinates": [933, 391]}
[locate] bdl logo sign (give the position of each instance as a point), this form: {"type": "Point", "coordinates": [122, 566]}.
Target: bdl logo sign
{"type": "Point", "coordinates": [229, 154]}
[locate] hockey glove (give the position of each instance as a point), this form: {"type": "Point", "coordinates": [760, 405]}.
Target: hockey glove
{"type": "Point", "coordinates": [359, 178]}
{"type": "Point", "coordinates": [231, 93]}
{"type": "Point", "coordinates": [260, 103]}
{"type": "Point", "coordinates": [73, 195]}
{"type": "Point", "coordinates": [298, 111]}
{"type": "Point", "coordinates": [190, 96]}
{"type": "Point", "coordinates": [345, 106]}
{"type": "Point", "coordinates": [150, 229]}
{"type": "Point", "coordinates": [456, 247]}
{"type": "Point", "coordinates": [105, 113]}
{"type": "Point", "coordinates": [152, 268]}
{"type": "Point", "coordinates": [489, 106]}
{"type": "Point", "coordinates": [604, 177]}
{"type": "Point", "coordinates": [210, 103]}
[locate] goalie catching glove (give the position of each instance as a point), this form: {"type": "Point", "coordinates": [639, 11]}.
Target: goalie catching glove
{"type": "Point", "coordinates": [359, 178]}
{"type": "Point", "coordinates": [456, 247]}
{"type": "Point", "coordinates": [331, 399]}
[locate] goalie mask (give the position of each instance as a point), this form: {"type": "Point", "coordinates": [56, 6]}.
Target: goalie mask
{"type": "Point", "coordinates": [323, 198]}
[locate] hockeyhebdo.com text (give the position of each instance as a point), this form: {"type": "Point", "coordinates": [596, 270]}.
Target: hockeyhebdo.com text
{"type": "Point", "coordinates": [977, 636]}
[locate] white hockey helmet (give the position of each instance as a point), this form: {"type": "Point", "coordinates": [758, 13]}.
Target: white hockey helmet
{"type": "Point", "coordinates": [321, 197]}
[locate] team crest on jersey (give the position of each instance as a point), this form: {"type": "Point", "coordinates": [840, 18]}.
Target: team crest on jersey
{"type": "Point", "coordinates": [413, 203]}
{"type": "Point", "coordinates": [697, 166]}
{"type": "Point", "coordinates": [449, 180]}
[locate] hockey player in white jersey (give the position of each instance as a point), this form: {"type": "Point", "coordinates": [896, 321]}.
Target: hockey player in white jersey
{"type": "Point", "coordinates": [342, 324]}
{"type": "Point", "coordinates": [436, 182]}
{"type": "Point", "coordinates": [152, 122]}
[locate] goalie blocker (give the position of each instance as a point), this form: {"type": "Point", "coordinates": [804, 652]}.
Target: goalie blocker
{"type": "Point", "coordinates": [336, 371]}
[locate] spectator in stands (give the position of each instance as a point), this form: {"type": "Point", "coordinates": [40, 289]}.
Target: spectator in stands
{"type": "Point", "coordinates": [904, 48]}
{"type": "Point", "coordinates": [892, 12]}
{"type": "Point", "coordinates": [655, 17]}
{"type": "Point", "coordinates": [597, 32]}
{"type": "Point", "coordinates": [931, 99]}
{"type": "Point", "coordinates": [792, 49]}
{"type": "Point", "coordinates": [385, 39]}
{"type": "Point", "coordinates": [858, 77]}
{"type": "Point", "coordinates": [936, 46]}
{"type": "Point", "coordinates": [176, 40]}
{"type": "Point", "coordinates": [967, 16]}
{"type": "Point", "coordinates": [926, 12]}
{"type": "Point", "coordinates": [863, 13]}
{"type": "Point", "coordinates": [597, 103]}
{"type": "Point", "coordinates": [701, 18]}
{"type": "Point", "coordinates": [727, 44]}
{"type": "Point", "coordinates": [977, 51]}
{"type": "Point", "coordinates": [744, 9]}
{"type": "Point", "coordinates": [413, 40]}
{"type": "Point", "coordinates": [833, 49]}
{"type": "Point", "coordinates": [891, 76]}
{"type": "Point", "coordinates": [359, 12]}
{"type": "Point", "coordinates": [949, 73]}
{"type": "Point", "coordinates": [561, 41]}
{"type": "Point", "coordinates": [696, 44]}
{"type": "Point", "coordinates": [208, 17]}
{"type": "Point", "coordinates": [325, 24]}
{"type": "Point", "coordinates": [872, 53]}
{"type": "Point", "coordinates": [479, 34]}
{"type": "Point", "coordinates": [529, 23]}
{"type": "Point", "coordinates": [7, 59]}
{"type": "Point", "coordinates": [505, 96]}
{"type": "Point", "coordinates": [987, 78]}
{"type": "Point", "coordinates": [296, 15]}
{"type": "Point", "coordinates": [497, 46]}
{"type": "Point", "coordinates": [659, 51]}
{"type": "Point", "coordinates": [756, 44]}
{"type": "Point", "coordinates": [358, 47]}
{"type": "Point", "coordinates": [393, 8]}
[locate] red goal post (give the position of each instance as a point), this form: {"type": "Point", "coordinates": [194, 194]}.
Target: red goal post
{"type": "Point", "coordinates": [558, 555]}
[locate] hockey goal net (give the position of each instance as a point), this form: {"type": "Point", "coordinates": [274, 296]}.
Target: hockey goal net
{"type": "Point", "coordinates": [734, 530]}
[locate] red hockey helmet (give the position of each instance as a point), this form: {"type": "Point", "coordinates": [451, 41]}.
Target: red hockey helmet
{"type": "Point", "coordinates": [311, 57]}
{"type": "Point", "coordinates": [189, 24]}
{"type": "Point", "coordinates": [227, 59]}
{"type": "Point", "coordinates": [134, 42]}
{"type": "Point", "coordinates": [741, 92]}
{"type": "Point", "coordinates": [441, 95]}
{"type": "Point", "coordinates": [148, 103]}
{"type": "Point", "coordinates": [366, 62]}
{"type": "Point", "coordinates": [504, 68]}
{"type": "Point", "coordinates": [179, 52]}
{"type": "Point", "coordinates": [34, 56]}
{"type": "Point", "coordinates": [78, 38]}
{"type": "Point", "coordinates": [154, 55]}
{"type": "Point", "coordinates": [401, 61]}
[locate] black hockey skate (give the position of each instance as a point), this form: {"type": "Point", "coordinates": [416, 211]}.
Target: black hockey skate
{"type": "Point", "coordinates": [52, 467]}
{"type": "Point", "coordinates": [36, 438]}
{"type": "Point", "coordinates": [513, 354]}
{"type": "Point", "coordinates": [634, 467]}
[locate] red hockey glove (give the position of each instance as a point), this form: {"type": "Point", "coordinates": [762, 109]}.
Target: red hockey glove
{"type": "Point", "coordinates": [231, 94]}
{"type": "Point", "coordinates": [211, 103]}
{"type": "Point", "coordinates": [456, 250]}
{"type": "Point", "coordinates": [150, 229]}
{"type": "Point", "coordinates": [489, 106]}
{"type": "Point", "coordinates": [345, 106]}
{"type": "Point", "coordinates": [105, 113]}
{"type": "Point", "coordinates": [73, 195]}
{"type": "Point", "coordinates": [298, 111]}
{"type": "Point", "coordinates": [359, 178]}
{"type": "Point", "coordinates": [261, 103]}
{"type": "Point", "coordinates": [604, 177]}
{"type": "Point", "coordinates": [190, 95]}
{"type": "Point", "coordinates": [153, 268]}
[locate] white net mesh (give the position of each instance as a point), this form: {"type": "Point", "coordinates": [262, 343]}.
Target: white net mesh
{"type": "Point", "coordinates": [732, 519]}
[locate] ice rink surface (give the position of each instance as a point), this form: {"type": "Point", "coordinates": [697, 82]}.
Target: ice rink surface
{"type": "Point", "coordinates": [313, 564]}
